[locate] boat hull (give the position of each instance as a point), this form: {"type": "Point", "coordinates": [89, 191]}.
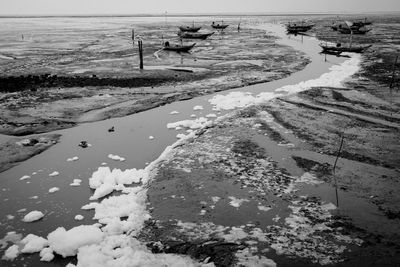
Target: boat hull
{"type": "Point", "coordinates": [189, 29]}
{"type": "Point", "coordinates": [220, 27]}
{"type": "Point", "coordinates": [334, 49]}
{"type": "Point", "coordinates": [182, 48]}
{"type": "Point", "coordinates": [201, 36]}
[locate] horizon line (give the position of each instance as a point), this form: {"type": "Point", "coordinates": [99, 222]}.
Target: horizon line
{"type": "Point", "coordinates": [179, 14]}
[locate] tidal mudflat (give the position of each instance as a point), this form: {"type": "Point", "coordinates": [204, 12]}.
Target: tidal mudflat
{"type": "Point", "coordinates": [67, 71]}
{"type": "Point", "coordinates": [250, 180]}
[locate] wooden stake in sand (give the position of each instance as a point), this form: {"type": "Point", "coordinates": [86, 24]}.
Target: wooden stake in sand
{"type": "Point", "coordinates": [140, 44]}
{"type": "Point", "coordinates": [334, 166]}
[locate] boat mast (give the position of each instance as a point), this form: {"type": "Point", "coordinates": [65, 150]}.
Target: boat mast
{"type": "Point", "coordinates": [351, 37]}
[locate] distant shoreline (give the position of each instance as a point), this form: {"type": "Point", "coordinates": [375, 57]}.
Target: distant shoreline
{"type": "Point", "coordinates": [205, 14]}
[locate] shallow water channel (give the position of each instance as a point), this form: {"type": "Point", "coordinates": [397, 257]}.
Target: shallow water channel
{"type": "Point", "coordinates": [130, 140]}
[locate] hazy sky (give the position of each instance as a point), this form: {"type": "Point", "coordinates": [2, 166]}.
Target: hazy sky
{"type": "Point", "coordinates": [79, 7]}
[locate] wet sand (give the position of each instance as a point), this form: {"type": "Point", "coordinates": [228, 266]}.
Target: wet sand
{"type": "Point", "coordinates": [239, 178]}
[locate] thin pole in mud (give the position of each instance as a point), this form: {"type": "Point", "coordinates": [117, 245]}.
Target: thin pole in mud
{"type": "Point", "coordinates": [140, 44]}
{"type": "Point", "coordinates": [393, 72]}
{"type": "Point", "coordinates": [334, 167]}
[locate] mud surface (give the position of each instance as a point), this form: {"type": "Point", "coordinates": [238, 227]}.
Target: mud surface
{"type": "Point", "coordinates": [264, 177]}
{"type": "Point", "coordinates": [20, 149]}
{"type": "Point", "coordinates": [80, 70]}
{"type": "Point", "coordinates": [238, 182]}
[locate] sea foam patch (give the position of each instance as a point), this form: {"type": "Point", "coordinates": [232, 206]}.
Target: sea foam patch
{"type": "Point", "coordinates": [334, 78]}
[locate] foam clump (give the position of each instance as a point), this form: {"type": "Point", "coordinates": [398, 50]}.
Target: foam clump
{"type": "Point", "coordinates": [116, 157]}
{"type": "Point", "coordinates": [192, 124]}
{"type": "Point", "coordinates": [33, 216]}
{"type": "Point", "coordinates": [232, 100]}
{"type": "Point", "coordinates": [55, 173]}
{"type": "Point", "coordinates": [211, 115]}
{"type": "Point", "coordinates": [46, 254]}
{"type": "Point", "coordinates": [73, 159]}
{"type": "Point", "coordinates": [237, 202]}
{"type": "Point", "coordinates": [76, 182]}
{"type": "Point", "coordinates": [54, 189]}
{"type": "Point", "coordinates": [105, 181]}
{"type": "Point", "coordinates": [11, 253]}
{"type": "Point", "coordinates": [124, 251]}
{"type": "Point", "coordinates": [79, 217]}
{"type": "Point", "coordinates": [66, 243]}
{"type": "Point", "coordinates": [24, 177]}
{"type": "Point", "coordinates": [197, 107]}
{"type": "Point", "coordinates": [33, 243]}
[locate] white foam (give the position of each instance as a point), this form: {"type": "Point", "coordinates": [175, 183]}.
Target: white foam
{"type": "Point", "coordinates": [46, 254]}
{"type": "Point", "coordinates": [76, 182]}
{"type": "Point", "coordinates": [116, 157]}
{"type": "Point", "coordinates": [11, 253]}
{"type": "Point", "coordinates": [105, 181]}
{"type": "Point", "coordinates": [90, 206]}
{"type": "Point", "coordinates": [24, 177]}
{"type": "Point", "coordinates": [198, 108]}
{"type": "Point", "coordinates": [73, 158]}
{"type": "Point", "coordinates": [66, 243]}
{"type": "Point", "coordinates": [334, 78]}
{"type": "Point", "coordinates": [237, 202]}
{"type": "Point", "coordinates": [263, 208]}
{"type": "Point", "coordinates": [211, 115]}
{"type": "Point", "coordinates": [309, 178]}
{"type": "Point", "coordinates": [33, 216]}
{"type": "Point", "coordinates": [192, 124]}
{"type": "Point", "coordinates": [54, 189]}
{"type": "Point", "coordinates": [55, 173]}
{"type": "Point", "coordinates": [33, 243]}
{"type": "Point", "coordinates": [79, 217]}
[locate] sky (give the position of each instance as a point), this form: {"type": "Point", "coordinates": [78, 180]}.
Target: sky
{"type": "Point", "coordinates": [109, 7]}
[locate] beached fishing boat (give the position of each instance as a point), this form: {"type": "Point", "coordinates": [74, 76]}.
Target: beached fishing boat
{"type": "Point", "coordinates": [178, 48]}
{"type": "Point", "coordinates": [362, 23]}
{"type": "Point", "coordinates": [218, 26]}
{"type": "Point", "coordinates": [354, 25]}
{"type": "Point", "coordinates": [189, 28]}
{"type": "Point", "coordinates": [298, 28]}
{"type": "Point", "coordinates": [194, 35]}
{"type": "Point", "coordinates": [353, 30]}
{"type": "Point", "coordinates": [333, 49]}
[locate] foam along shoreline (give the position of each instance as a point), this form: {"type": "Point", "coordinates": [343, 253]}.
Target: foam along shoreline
{"type": "Point", "coordinates": [96, 244]}
{"type": "Point", "coordinates": [337, 75]}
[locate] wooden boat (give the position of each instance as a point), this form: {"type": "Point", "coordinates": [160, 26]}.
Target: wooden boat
{"type": "Point", "coordinates": [221, 26]}
{"type": "Point", "coordinates": [194, 35]}
{"type": "Point", "coordinates": [339, 48]}
{"type": "Point", "coordinates": [189, 28]}
{"type": "Point", "coordinates": [296, 28]}
{"type": "Point", "coordinates": [355, 30]}
{"type": "Point", "coordinates": [340, 26]}
{"type": "Point", "coordinates": [178, 48]}
{"type": "Point", "coordinates": [362, 23]}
